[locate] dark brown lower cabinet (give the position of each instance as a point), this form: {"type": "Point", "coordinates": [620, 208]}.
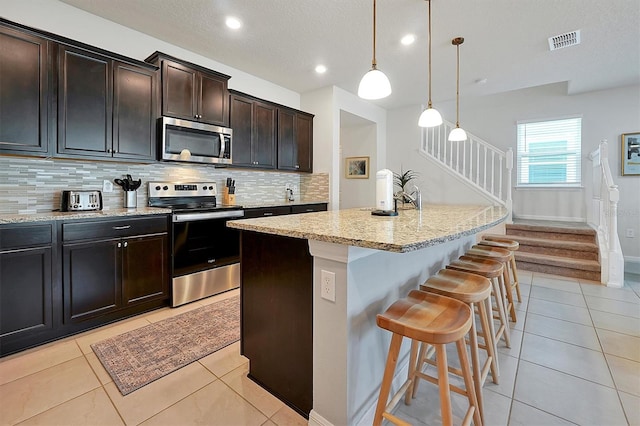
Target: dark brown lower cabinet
{"type": "Point", "coordinates": [277, 316]}
{"type": "Point", "coordinates": [26, 285]}
{"type": "Point", "coordinates": [114, 264]}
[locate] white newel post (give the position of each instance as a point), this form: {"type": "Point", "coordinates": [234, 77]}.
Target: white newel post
{"type": "Point", "coordinates": [616, 260]}
{"type": "Point", "coordinates": [509, 164]}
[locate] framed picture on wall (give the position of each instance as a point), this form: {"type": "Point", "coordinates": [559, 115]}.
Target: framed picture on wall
{"type": "Point", "coordinates": [630, 154]}
{"type": "Point", "coordinates": [356, 168]}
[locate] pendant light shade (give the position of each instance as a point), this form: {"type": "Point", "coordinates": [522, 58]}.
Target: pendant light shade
{"type": "Point", "coordinates": [430, 117]}
{"type": "Point", "coordinates": [457, 134]}
{"type": "Point", "coordinates": [374, 84]}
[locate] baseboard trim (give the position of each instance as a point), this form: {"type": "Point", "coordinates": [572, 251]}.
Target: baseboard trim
{"type": "Point", "coordinates": [554, 218]}
{"type": "Point", "coordinates": [632, 264]}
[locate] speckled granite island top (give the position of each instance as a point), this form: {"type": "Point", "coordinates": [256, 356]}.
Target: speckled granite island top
{"type": "Point", "coordinates": [57, 215]}
{"type": "Point", "coordinates": [410, 230]}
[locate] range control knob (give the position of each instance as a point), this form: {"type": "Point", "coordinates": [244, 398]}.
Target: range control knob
{"type": "Point", "coordinates": [211, 188]}
{"type": "Point", "coordinates": [158, 188]}
{"type": "Point", "coordinates": [165, 187]}
{"type": "Point", "coordinates": [204, 188]}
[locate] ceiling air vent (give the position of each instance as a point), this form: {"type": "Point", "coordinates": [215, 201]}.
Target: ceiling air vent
{"type": "Point", "coordinates": [564, 40]}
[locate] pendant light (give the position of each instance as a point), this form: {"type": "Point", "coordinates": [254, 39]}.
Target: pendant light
{"type": "Point", "coordinates": [430, 117]}
{"type": "Point", "coordinates": [457, 134]}
{"type": "Point", "coordinates": [374, 84]}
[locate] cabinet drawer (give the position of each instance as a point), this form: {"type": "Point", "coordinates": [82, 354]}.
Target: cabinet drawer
{"type": "Point", "coordinates": [21, 236]}
{"type": "Point", "coordinates": [266, 211]}
{"type": "Point", "coordinates": [74, 231]}
{"type": "Point", "coordinates": [308, 208]}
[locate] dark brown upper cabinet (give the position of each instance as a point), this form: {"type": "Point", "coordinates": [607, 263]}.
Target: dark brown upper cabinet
{"type": "Point", "coordinates": [25, 93]}
{"type": "Point", "coordinates": [254, 132]}
{"type": "Point", "coordinates": [192, 92]}
{"type": "Point", "coordinates": [106, 108]}
{"type": "Point", "coordinates": [295, 140]}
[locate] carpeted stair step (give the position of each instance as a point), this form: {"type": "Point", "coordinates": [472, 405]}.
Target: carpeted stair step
{"type": "Point", "coordinates": [551, 232]}
{"type": "Point", "coordinates": [573, 249]}
{"type": "Point", "coordinates": [563, 266]}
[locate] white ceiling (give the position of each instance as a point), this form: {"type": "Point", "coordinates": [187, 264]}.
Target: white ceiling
{"type": "Point", "coordinates": [505, 41]}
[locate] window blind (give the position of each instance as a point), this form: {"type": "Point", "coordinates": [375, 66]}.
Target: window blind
{"type": "Point", "coordinates": [549, 152]}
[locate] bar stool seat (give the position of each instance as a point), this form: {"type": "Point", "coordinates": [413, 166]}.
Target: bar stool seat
{"type": "Point", "coordinates": [473, 290]}
{"type": "Point", "coordinates": [502, 241]}
{"type": "Point", "coordinates": [504, 257]}
{"type": "Point", "coordinates": [493, 270]}
{"type": "Point", "coordinates": [436, 320]}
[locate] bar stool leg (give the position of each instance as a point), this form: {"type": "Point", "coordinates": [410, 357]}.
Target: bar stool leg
{"type": "Point", "coordinates": [413, 359]}
{"type": "Point", "coordinates": [486, 321]}
{"type": "Point", "coordinates": [504, 329]}
{"type": "Point", "coordinates": [468, 382]}
{"type": "Point", "coordinates": [387, 378]}
{"type": "Point", "coordinates": [475, 363]}
{"type": "Point", "coordinates": [514, 272]}
{"type": "Point", "coordinates": [508, 290]}
{"type": "Point", "coordinates": [443, 384]}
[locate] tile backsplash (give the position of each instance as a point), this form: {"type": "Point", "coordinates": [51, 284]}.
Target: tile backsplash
{"type": "Point", "coordinates": [34, 185]}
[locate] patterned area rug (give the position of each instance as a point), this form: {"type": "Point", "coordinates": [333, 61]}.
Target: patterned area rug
{"type": "Point", "coordinates": [138, 357]}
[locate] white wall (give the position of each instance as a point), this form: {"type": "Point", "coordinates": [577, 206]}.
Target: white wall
{"type": "Point", "coordinates": [358, 139]}
{"type": "Point", "coordinates": [605, 115]}
{"type": "Point", "coordinates": [62, 19]}
{"type": "Point", "coordinates": [328, 104]}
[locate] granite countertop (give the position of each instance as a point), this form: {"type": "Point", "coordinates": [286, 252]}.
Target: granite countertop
{"type": "Point", "coordinates": [58, 215]}
{"type": "Point", "coordinates": [262, 204]}
{"type": "Point", "coordinates": [410, 230]}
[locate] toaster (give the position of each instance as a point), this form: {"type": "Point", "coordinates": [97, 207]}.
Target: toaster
{"type": "Point", "coordinates": [74, 201]}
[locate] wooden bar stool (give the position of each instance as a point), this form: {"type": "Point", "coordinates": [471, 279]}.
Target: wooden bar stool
{"type": "Point", "coordinates": [492, 270]}
{"type": "Point", "coordinates": [436, 320]}
{"type": "Point", "coordinates": [503, 256]}
{"type": "Point", "coordinates": [502, 241]}
{"type": "Point", "coordinates": [474, 290]}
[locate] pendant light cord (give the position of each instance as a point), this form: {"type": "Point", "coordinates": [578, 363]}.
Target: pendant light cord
{"type": "Point", "coordinates": [373, 62]}
{"type": "Point", "coordinates": [429, 25]}
{"type": "Point", "coordinates": [458, 86]}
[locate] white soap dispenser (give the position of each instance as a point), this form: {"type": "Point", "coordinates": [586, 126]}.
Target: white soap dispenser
{"type": "Point", "coordinates": [385, 205]}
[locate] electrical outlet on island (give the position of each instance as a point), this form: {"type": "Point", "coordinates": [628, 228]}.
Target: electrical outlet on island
{"type": "Point", "coordinates": [328, 285]}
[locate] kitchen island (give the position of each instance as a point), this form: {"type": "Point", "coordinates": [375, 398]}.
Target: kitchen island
{"type": "Point", "coordinates": [322, 353]}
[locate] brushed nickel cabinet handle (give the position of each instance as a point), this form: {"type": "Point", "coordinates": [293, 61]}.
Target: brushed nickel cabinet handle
{"type": "Point", "coordinates": [120, 228]}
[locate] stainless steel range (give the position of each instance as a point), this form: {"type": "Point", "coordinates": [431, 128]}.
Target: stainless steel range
{"type": "Point", "coordinates": [205, 253]}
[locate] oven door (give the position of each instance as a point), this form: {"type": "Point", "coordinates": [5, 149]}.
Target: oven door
{"type": "Point", "coordinates": [202, 241]}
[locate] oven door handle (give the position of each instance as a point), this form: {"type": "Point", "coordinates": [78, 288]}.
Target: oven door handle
{"type": "Point", "coordinates": [190, 217]}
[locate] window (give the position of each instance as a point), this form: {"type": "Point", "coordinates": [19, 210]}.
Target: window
{"type": "Point", "coordinates": [549, 152]}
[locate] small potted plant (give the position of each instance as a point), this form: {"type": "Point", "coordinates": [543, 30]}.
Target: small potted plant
{"type": "Point", "coordinates": [402, 179]}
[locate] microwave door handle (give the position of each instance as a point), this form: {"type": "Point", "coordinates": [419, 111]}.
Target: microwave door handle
{"type": "Point", "coordinates": [223, 145]}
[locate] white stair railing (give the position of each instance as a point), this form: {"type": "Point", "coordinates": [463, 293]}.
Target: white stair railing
{"type": "Point", "coordinates": [474, 161]}
{"type": "Point", "coordinates": [604, 217]}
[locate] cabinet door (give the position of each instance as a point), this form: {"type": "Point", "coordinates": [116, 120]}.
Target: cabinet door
{"type": "Point", "coordinates": [286, 140]}
{"type": "Point", "coordinates": [178, 91]}
{"type": "Point", "coordinates": [24, 93]}
{"type": "Point", "coordinates": [264, 135]}
{"type": "Point", "coordinates": [25, 293]}
{"type": "Point", "coordinates": [145, 273]}
{"type": "Point", "coordinates": [304, 142]}
{"type": "Point", "coordinates": [84, 104]}
{"type": "Point", "coordinates": [241, 119]}
{"type": "Point", "coordinates": [91, 279]}
{"type": "Point", "coordinates": [213, 99]}
{"type": "Point", "coordinates": [134, 98]}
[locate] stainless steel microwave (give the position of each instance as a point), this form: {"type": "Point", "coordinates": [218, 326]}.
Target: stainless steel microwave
{"type": "Point", "coordinates": [194, 142]}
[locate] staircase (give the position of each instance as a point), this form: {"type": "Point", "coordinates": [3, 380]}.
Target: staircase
{"type": "Point", "coordinates": [585, 252]}
{"type": "Point", "coordinates": [565, 249]}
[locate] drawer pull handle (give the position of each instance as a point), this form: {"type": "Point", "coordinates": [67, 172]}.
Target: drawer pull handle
{"type": "Point", "coordinates": [126, 244]}
{"type": "Point", "coordinates": [268, 214]}
{"type": "Point", "coordinates": [120, 228]}
{"type": "Point", "coordinates": [211, 261]}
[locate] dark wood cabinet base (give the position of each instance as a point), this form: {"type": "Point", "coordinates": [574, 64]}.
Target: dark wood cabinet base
{"type": "Point", "coordinates": [277, 316]}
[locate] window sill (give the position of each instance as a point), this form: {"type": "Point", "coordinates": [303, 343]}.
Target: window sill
{"type": "Point", "coordinates": [550, 187]}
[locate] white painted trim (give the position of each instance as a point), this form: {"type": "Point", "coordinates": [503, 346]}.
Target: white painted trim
{"type": "Point", "coordinates": [555, 218]}
{"type": "Point", "coordinates": [316, 419]}
{"type": "Point", "coordinates": [632, 264]}
{"type": "Point", "coordinates": [338, 252]}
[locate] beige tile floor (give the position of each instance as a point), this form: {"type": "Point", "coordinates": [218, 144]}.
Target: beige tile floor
{"type": "Point", "coordinates": [574, 359]}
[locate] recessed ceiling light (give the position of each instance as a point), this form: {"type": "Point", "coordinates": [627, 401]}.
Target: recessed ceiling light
{"type": "Point", "coordinates": [233, 23]}
{"type": "Point", "coordinates": [321, 69]}
{"type": "Point", "coordinates": [408, 39]}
